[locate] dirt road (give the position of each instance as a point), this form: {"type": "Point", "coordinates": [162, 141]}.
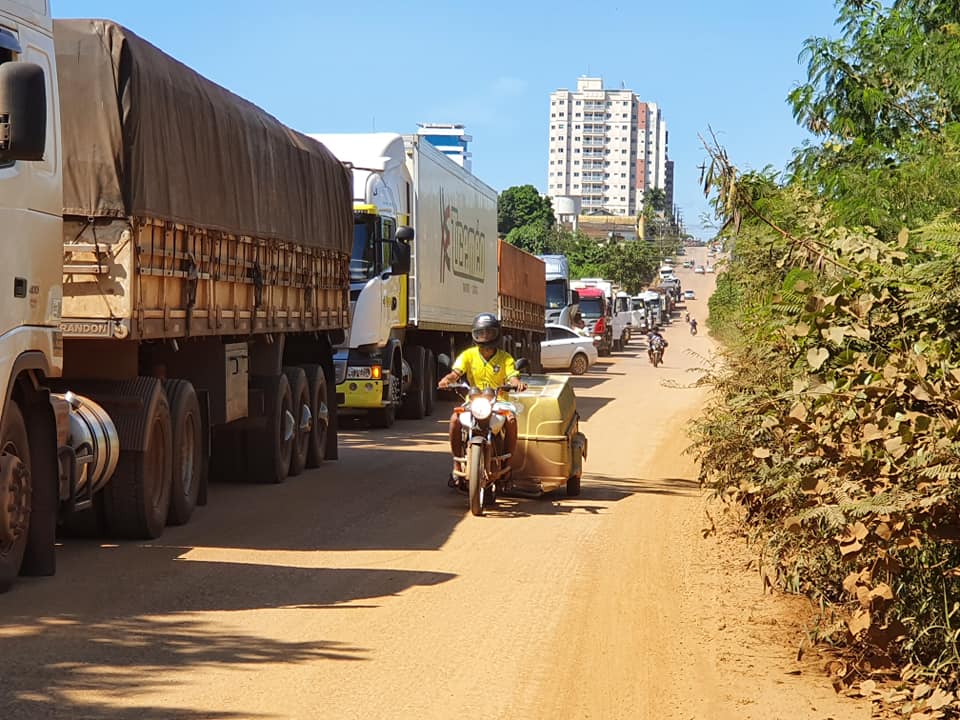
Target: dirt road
{"type": "Point", "coordinates": [366, 590]}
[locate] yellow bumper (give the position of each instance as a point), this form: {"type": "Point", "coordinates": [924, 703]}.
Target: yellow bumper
{"type": "Point", "coordinates": [361, 394]}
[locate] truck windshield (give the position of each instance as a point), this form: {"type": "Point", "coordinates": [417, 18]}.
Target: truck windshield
{"type": "Point", "coordinates": [363, 259]}
{"type": "Point", "coordinates": [556, 295]}
{"type": "Point", "coordinates": [591, 307]}
{"type": "Point", "coordinates": [636, 305]}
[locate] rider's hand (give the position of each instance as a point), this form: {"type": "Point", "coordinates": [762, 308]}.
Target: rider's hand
{"type": "Point", "coordinates": [519, 386]}
{"type": "Point", "coordinates": [443, 384]}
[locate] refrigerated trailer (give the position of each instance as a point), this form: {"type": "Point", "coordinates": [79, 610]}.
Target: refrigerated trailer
{"type": "Point", "coordinates": [179, 265]}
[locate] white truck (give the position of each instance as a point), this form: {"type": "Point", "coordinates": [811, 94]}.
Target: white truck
{"type": "Point", "coordinates": [161, 305]}
{"type": "Point", "coordinates": [619, 311]}
{"type": "Point", "coordinates": [424, 263]}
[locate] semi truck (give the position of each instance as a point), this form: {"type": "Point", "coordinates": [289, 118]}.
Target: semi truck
{"type": "Point", "coordinates": [618, 313]}
{"type": "Point", "coordinates": [424, 263]}
{"type": "Point", "coordinates": [178, 260]}
{"type": "Point", "coordinates": [561, 298]}
{"type": "Point", "coordinates": [521, 283]}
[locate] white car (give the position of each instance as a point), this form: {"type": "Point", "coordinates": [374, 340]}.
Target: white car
{"type": "Point", "coordinates": [709, 268]}
{"type": "Point", "coordinates": [699, 269]}
{"type": "Point", "coordinates": [566, 350]}
{"type": "Point", "coordinates": [689, 295]}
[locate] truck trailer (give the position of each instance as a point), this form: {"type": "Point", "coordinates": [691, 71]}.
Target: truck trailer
{"type": "Point", "coordinates": [179, 262]}
{"type": "Point", "coordinates": [424, 263]}
{"type": "Point", "coordinates": [520, 299]}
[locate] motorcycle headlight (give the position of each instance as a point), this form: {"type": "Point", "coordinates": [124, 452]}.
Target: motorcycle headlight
{"type": "Point", "coordinates": [480, 408]}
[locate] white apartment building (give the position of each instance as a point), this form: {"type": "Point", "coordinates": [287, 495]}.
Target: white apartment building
{"type": "Point", "coordinates": [606, 147]}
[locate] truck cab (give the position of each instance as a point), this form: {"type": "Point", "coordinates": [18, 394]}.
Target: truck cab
{"type": "Point", "coordinates": [596, 314]}
{"type": "Point", "coordinates": [368, 379]}
{"type": "Point", "coordinates": [618, 315]}
{"type": "Point", "coordinates": [31, 345]}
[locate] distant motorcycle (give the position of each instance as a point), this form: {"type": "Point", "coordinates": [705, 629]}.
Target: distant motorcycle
{"type": "Point", "coordinates": [656, 351]}
{"type": "Point", "coordinates": [693, 328]}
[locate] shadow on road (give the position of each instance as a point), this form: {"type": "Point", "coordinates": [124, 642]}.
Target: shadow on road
{"type": "Point", "coordinates": [72, 644]}
{"type": "Point", "coordinates": [595, 489]}
{"type": "Point", "coordinates": [587, 406]}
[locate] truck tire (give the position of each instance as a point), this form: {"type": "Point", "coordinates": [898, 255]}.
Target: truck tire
{"type": "Point", "coordinates": [415, 403]}
{"type": "Point", "coordinates": [302, 418]}
{"type": "Point", "coordinates": [430, 383]}
{"type": "Point", "coordinates": [385, 417]}
{"type": "Point", "coordinates": [270, 447]}
{"type": "Point", "coordinates": [317, 438]}
{"type": "Point", "coordinates": [137, 499]}
{"type": "Point", "coordinates": [189, 459]}
{"type": "Point", "coordinates": [15, 485]}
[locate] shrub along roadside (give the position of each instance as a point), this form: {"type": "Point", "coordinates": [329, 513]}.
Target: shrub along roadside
{"type": "Point", "coordinates": [835, 420]}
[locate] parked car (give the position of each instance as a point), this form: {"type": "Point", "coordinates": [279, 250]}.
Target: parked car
{"type": "Point", "coordinates": [689, 295]}
{"type": "Point", "coordinates": [709, 268]}
{"type": "Point", "coordinates": [566, 350]}
{"type": "Point", "coordinates": [689, 264]}
{"type": "Point", "coordinates": [699, 269]}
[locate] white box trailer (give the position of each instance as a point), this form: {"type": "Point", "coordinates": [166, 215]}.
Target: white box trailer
{"type": "Point", "coordinates": [453, 272]}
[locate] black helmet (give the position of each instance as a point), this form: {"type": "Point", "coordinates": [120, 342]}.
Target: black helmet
{"type": "Point", "coordinates": [486, 330]}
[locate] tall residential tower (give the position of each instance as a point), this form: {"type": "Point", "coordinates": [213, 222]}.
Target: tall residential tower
{"type": "Point", "coordinates": [606, 147]}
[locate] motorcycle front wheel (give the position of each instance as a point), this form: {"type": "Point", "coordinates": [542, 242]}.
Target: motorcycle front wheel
{"type": "Point", "coordinates": [475, 478]}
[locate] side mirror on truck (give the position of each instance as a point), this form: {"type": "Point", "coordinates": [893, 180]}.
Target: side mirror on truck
{"type": "Point", "coordinates": [401, 251]}
{"type": "Point", "coordinates": [23, 112]}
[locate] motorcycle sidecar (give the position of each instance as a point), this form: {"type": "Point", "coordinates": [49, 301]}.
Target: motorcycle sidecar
{"type": "Point", "coordinates": [550, 447]}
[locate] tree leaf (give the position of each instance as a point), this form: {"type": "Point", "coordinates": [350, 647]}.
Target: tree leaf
{"type": "Point", "coordinates": [859, 622]}
{"type": "Point", "coordinates": [816, 357]}
{"type": "Point", "coordinates": [761, 452]}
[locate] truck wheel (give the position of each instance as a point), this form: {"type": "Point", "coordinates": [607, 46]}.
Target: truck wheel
{"type": "Point", "coordinates": [579, 364]}
{"type": "Point", "coordinates": [189, 460]}
{"type": "Point", "coordinates": [384, 417]}
{"type": "Point", "coordinates": [271, 446]}
{"type": "Point", "coordinates": [317, 438]}
{"type": "Point", "coordinates": [415, 403]}
{"type": "Point", "coordinates": [431, 383]}
{"type": "Point", "coordinates": [137, 498]}
{"type": "Point", "coordinates": [302, 417]}
{"type": "Point", "coordinates": [15, 482]}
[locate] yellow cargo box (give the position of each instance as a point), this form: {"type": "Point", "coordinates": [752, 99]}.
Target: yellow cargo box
{"type": "Point", "coordinates": [550, 446]}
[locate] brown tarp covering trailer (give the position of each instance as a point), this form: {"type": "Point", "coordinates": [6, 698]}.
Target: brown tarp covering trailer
{"type": "Point", "coordinates": [146, 136]}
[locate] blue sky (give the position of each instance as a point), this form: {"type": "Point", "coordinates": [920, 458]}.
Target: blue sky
{"type": "Point", "coordinates": [348, 66]}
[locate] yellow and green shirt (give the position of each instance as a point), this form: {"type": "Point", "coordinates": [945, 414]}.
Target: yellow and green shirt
{"type": "Point", "coordinates": [482, 373]}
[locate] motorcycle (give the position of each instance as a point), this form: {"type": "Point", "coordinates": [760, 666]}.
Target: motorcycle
{"type": "Point", "coordinates": [656, 352]}
{"type": "Point", "coordinates": [693, 329]}
{"type": "Point", "coordinates": [485, 461]}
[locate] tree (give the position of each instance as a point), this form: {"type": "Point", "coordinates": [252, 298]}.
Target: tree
{"type": "Point", "coordinates": [632, 265]}
{"type": "Point", "coordinates": [522, 205]}
{"type": "Point", "coordinates": [535, 237]}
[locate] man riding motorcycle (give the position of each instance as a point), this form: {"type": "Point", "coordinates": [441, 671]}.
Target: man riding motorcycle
{"type": "Point", "coordinates": [483, 366]}
{"type": "Point", "coordinates": [653, 339]}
